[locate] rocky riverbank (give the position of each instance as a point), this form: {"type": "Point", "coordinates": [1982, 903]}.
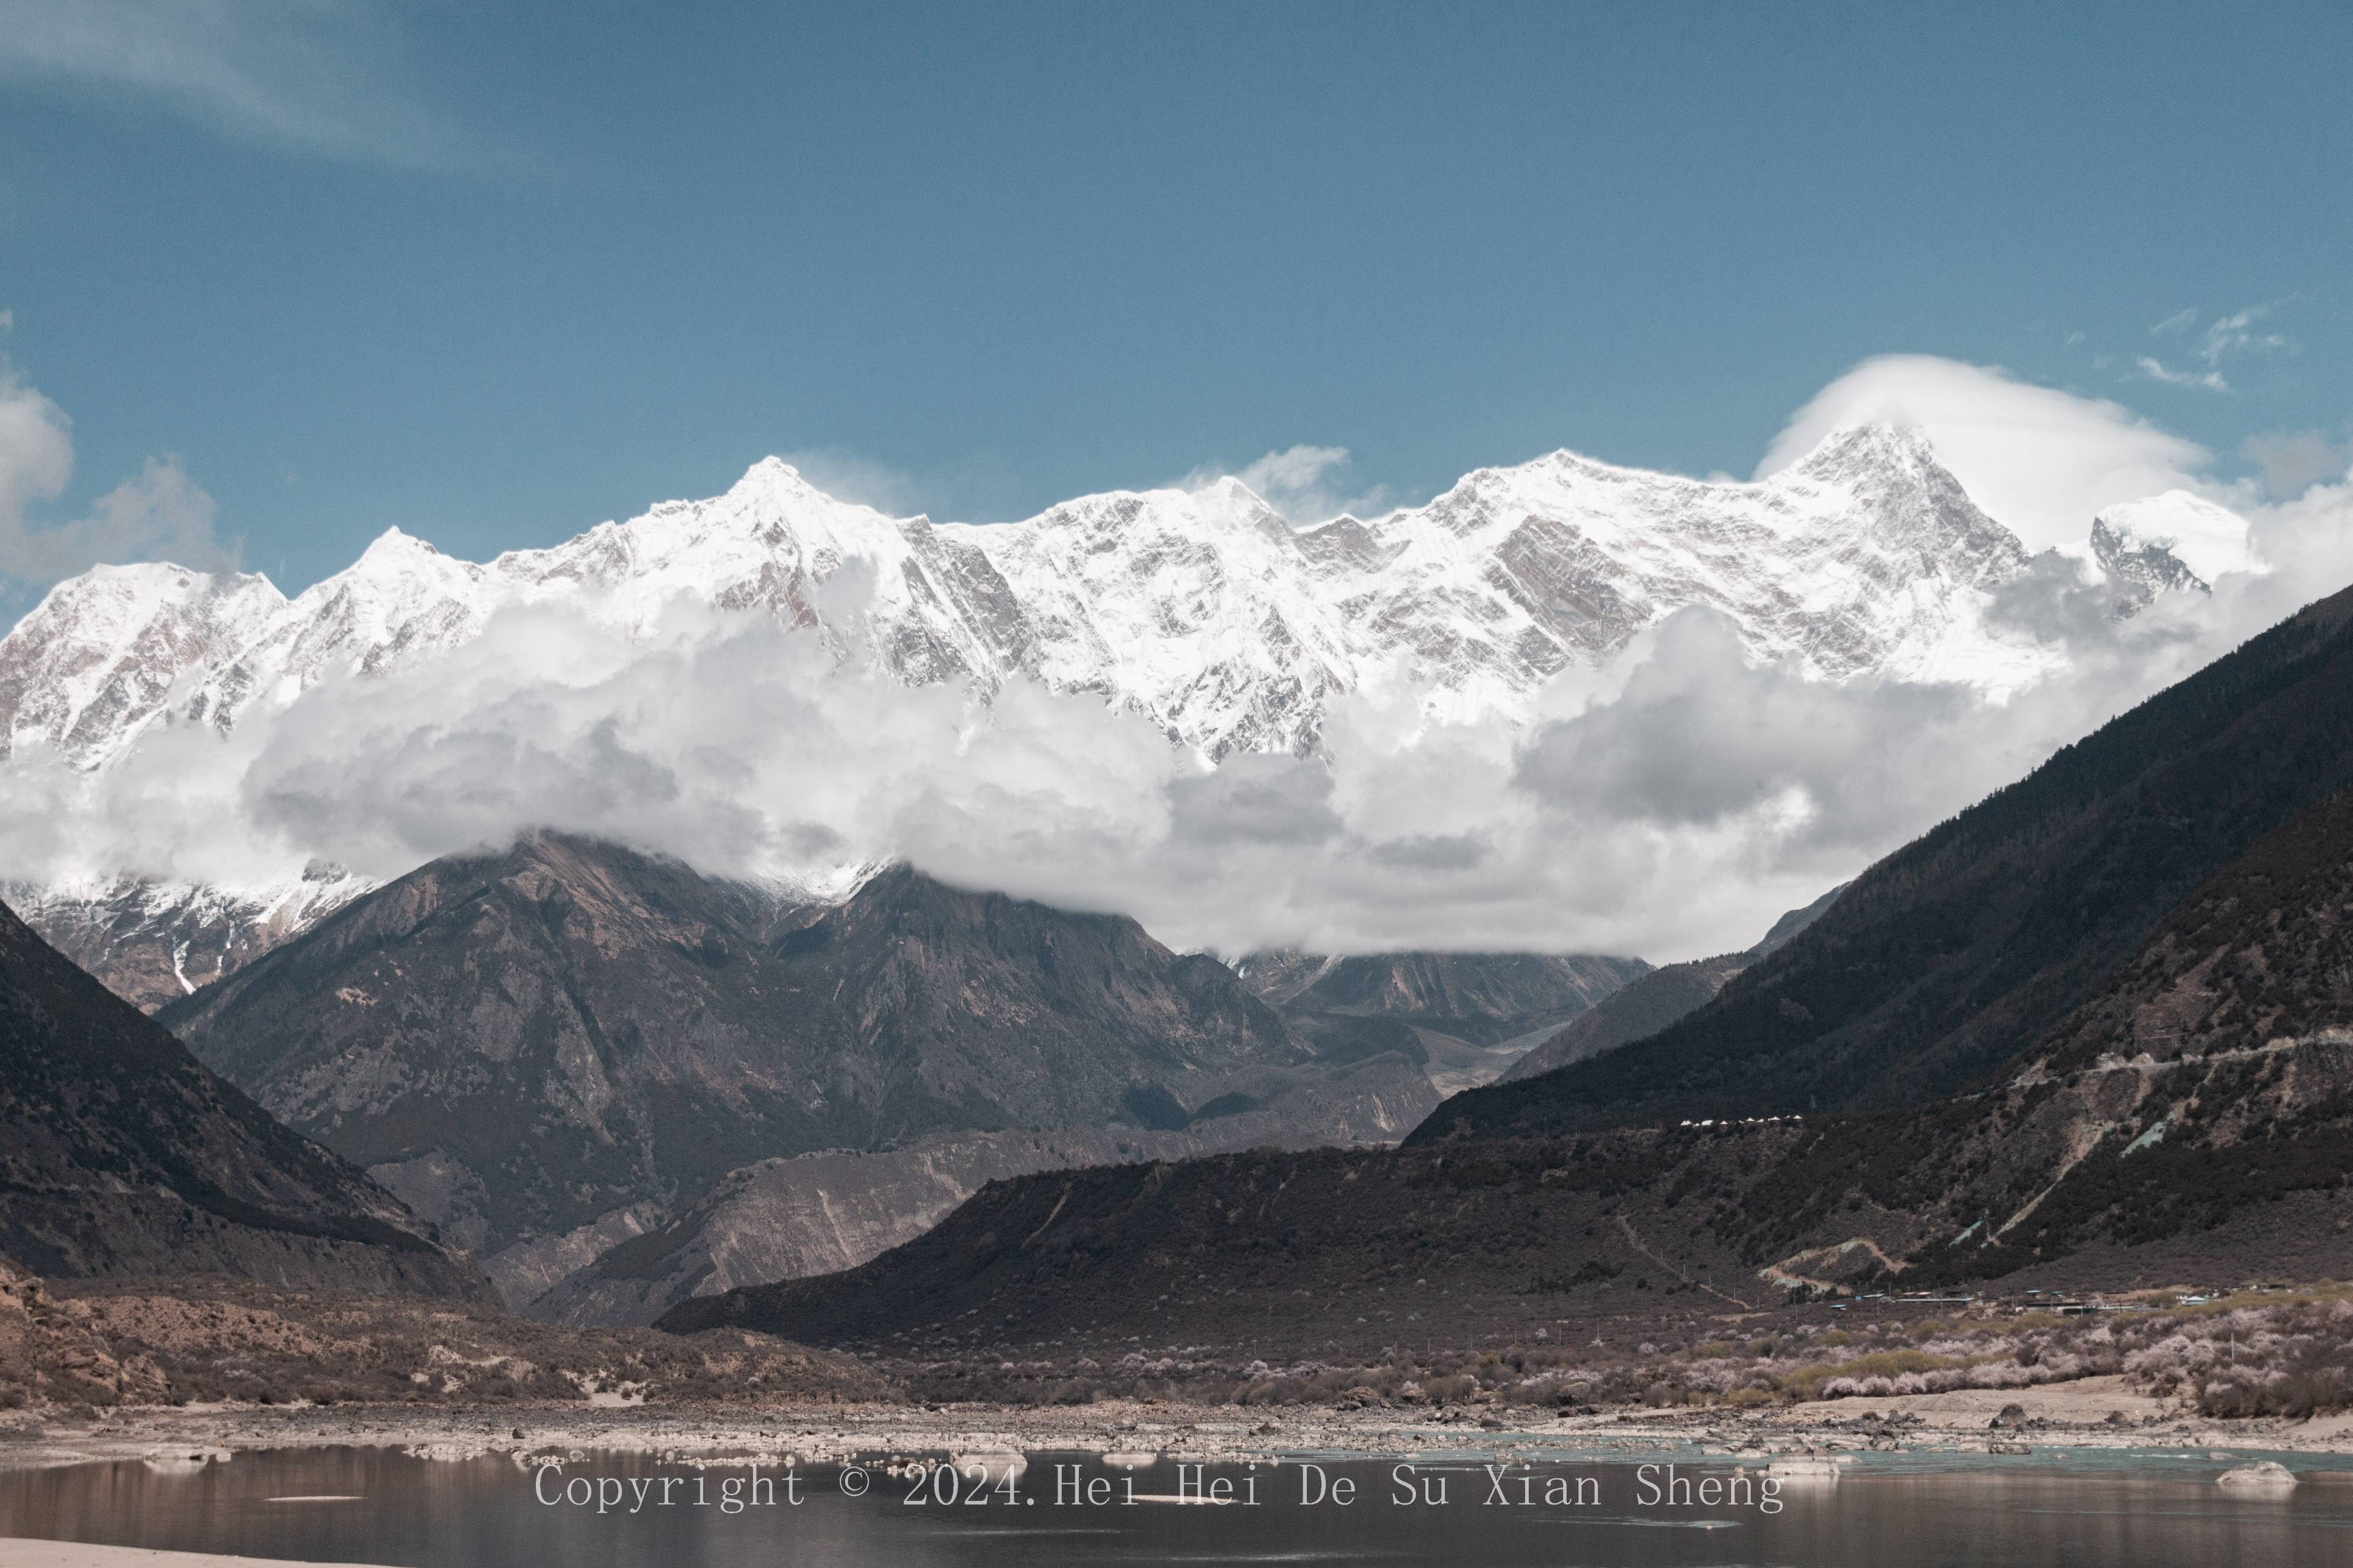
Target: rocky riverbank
{"type": "Point", "coordinates": [2095, 1414]}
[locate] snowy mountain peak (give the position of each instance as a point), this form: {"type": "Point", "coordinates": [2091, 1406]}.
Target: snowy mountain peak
{"type": "Point", "coordinates": [2137, 570]}
{"type": "Point", "coordinates": [2208, 539]}
{"type": "Point", "coordinates": [778, 483]}
{"type": "Point", "coordinates": [1851, 447]}
{"type": "Point", "coordinates": [397, 580]}
{"type": "Point", "coordinates": [775, 502]}
{"type": "Point", "coordinates": [393, 542]}
{"type": "Point", "coordinates": [401, 571]}
{"type": "Point", "coordinates": [1241, 498]}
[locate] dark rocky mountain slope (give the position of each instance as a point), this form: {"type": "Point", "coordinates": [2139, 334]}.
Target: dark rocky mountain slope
{"type": "Point", "coordinates": [553, 1048]}
{"type": "Point", "coordinates": [120, 1155]}
{"type": "Point", "coordinates": [1273, 1255]}
{"type": "Point", "coordinates": [1671, 992]}
{"type": "Point", "coordinates": [1333, 1254]}
{"type": "Point", "coordinates": [2210, 1077]}
{"type": "Point", "coordinates": [2197, 1110]}
{"type": "Point", "coordinates": [1657, 999]}
{"type": "Point", "coordinates": [1949, 957]}
{"type": "Point", "coordinates": [817, 1214]}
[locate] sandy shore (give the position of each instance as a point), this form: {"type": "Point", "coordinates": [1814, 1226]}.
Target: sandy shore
{"type": "Point", "coordinates": [20, 1552]}
{"type": "Point", "coordinates": [2097, 1413]}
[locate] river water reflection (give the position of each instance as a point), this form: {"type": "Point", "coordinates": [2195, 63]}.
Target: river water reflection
{"type": "Point", "coordinates": [374, 1506]}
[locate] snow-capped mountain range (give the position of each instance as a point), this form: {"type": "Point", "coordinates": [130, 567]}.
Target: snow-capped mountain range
{"type": "Point", "coordinates": [1203, 610]}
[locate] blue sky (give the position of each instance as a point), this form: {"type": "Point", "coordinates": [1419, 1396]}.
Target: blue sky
{"type": "Point", "coordinates": [493, 273]}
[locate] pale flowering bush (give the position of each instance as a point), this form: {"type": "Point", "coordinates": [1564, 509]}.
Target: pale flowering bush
{"type": "Point", "coordinates": [2169, 1363]}
{"type": "Point", "coordinates": [2293, 1359]}
{"type": "Point", "coordinates": [1943, 1379]}
{"type": "Point", "coordinates": [1719, 1376]}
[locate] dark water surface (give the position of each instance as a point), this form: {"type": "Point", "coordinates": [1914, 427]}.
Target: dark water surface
{"type": "Point", "coordinates": [374, 1506]}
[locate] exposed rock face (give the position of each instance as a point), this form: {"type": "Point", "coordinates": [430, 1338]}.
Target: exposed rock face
{"type": "Point", "coordinates": [1930, 969]}
{"type": "Point", "coordinates": [50, 1352]}
{"type": "Point", "coordinates": [152, 943]}
{"type": "Point", "coordinates": [551, 1048]}
{"type": "Point", "coordinates": [507, 1040]}
{"type": "Point", "coordinates": [125, 1156]}
{"type": "Point", "coordinates": [1650, 1003]}
{"type": "Point", "coordinates": [528, 1269]}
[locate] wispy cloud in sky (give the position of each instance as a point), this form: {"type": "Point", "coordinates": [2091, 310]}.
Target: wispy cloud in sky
{"type": "Point", "coordinates": [2235, 334]}
{"type": "Point", "coordinates": [2226, 337]}
{"type": "Point", "coordinates": [324, 76]}
{"type": "Point", "coordinates": [159, 512]}
{"type": "Point", "coordinates": [2156, 370]}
